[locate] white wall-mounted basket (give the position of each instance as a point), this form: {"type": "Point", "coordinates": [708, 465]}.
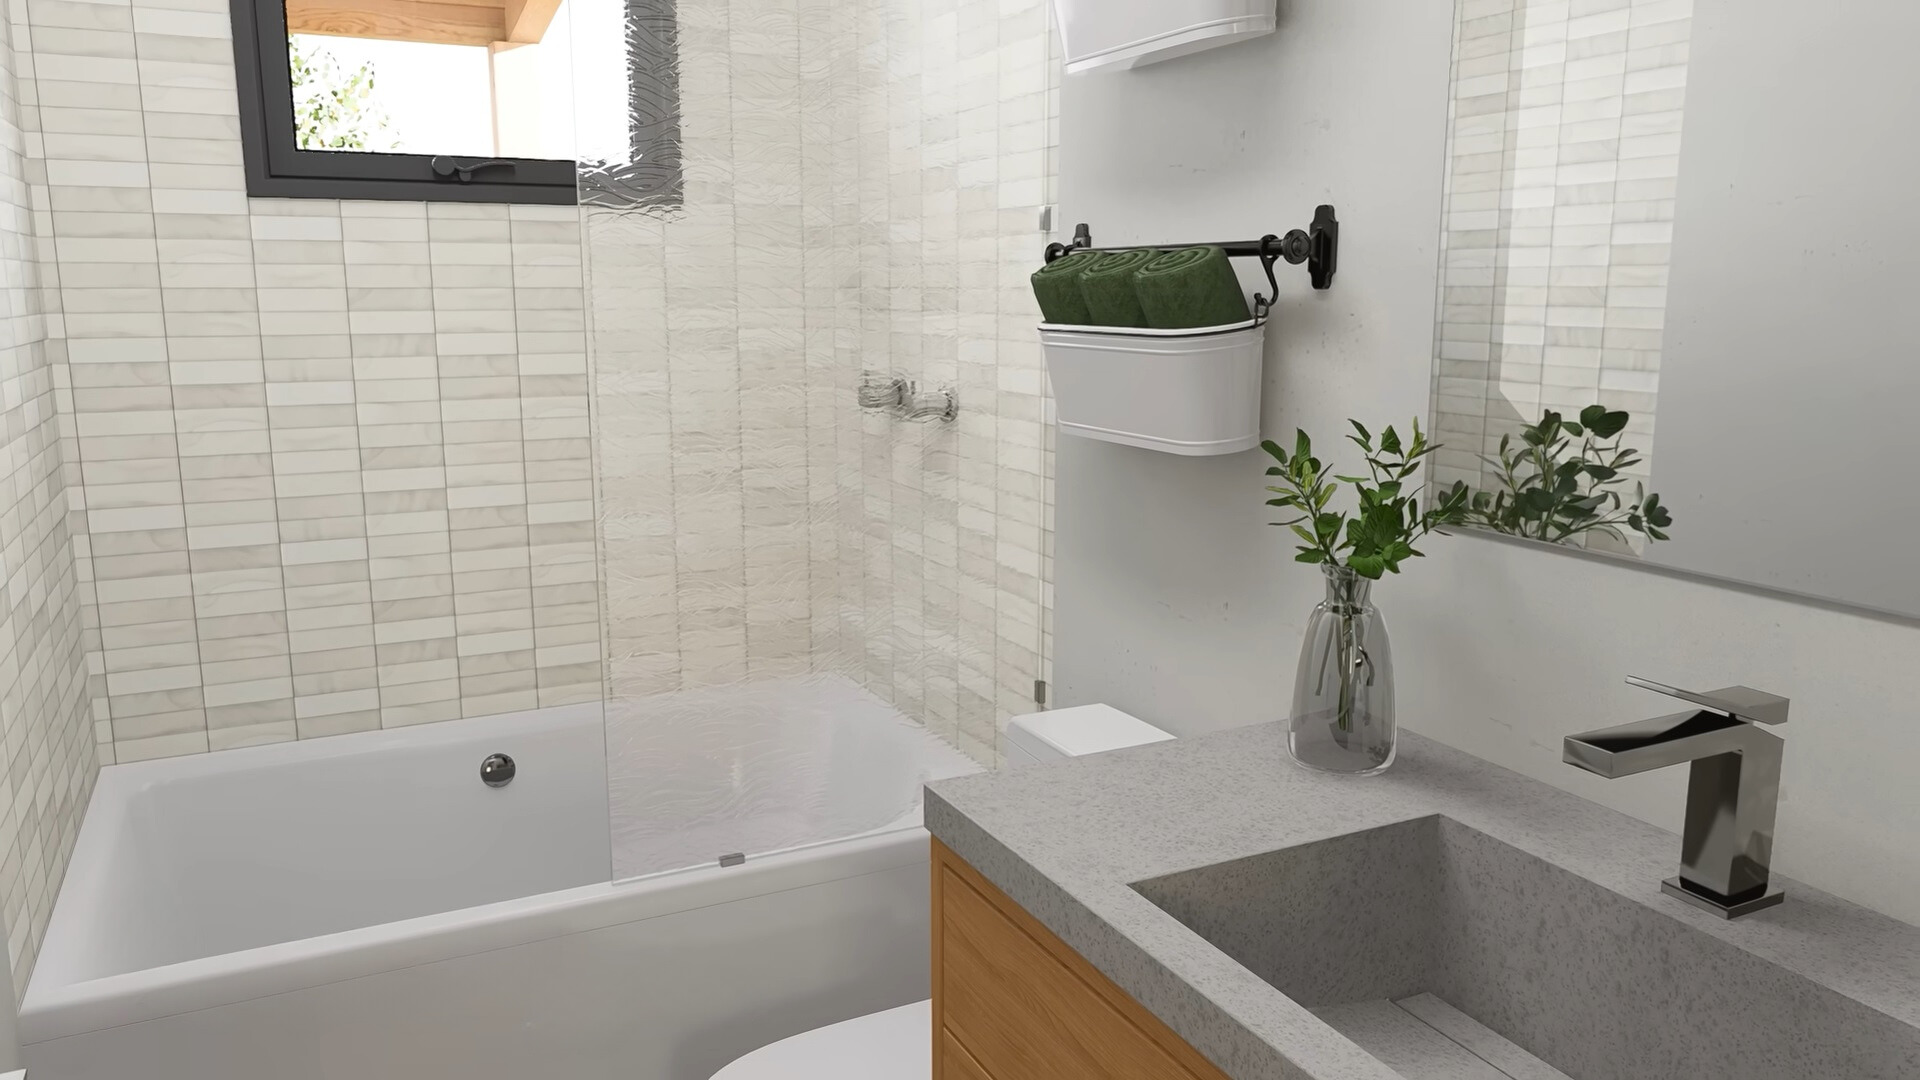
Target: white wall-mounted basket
{"type": "Point", "coordinates": [1119, 34]}
{"type": "Point", "coordinates": [1192, 392]}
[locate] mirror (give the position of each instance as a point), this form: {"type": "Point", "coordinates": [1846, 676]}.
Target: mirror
{"type": "Point", "coordinates": [1687, 228]}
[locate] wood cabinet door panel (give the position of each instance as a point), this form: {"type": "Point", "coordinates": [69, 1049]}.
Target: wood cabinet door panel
{"type": "Point", "coordinates": [1021, 1013]}
{"type": "Point", "coordinates": [957, 1063]}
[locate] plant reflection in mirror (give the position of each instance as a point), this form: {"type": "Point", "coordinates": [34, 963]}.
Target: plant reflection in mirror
{"type": "Point", "coordinates": [1564, 481]}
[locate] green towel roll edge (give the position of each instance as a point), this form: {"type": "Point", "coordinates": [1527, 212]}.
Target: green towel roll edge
{"type": "Point", "coordinates": [1057, 287]}
{"type": "Point", "coordinates": [1189, 288]}
{"type": "Point", "coordinates": [1108, 289]}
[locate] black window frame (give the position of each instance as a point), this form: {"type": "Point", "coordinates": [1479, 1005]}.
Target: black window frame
{"type": "Point", "coordinates": [277, 168]}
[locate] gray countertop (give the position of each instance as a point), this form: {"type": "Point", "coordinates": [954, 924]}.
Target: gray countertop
{"type": "Point", "coordinates": [1066, 841]}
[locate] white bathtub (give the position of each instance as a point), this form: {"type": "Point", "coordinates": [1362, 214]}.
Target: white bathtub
{"type": "Point", "coordinates": [363, 906]}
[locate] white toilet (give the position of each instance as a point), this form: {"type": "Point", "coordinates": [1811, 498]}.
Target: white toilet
{"type": "Point", "coordinates": [896, 1044]}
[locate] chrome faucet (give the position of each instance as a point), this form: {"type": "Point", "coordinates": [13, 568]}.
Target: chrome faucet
{"type": "Point", "coordinates": [1727, 845]}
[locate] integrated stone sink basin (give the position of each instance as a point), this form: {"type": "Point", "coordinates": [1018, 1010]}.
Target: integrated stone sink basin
{"type": "Point", "coordinates": [1447, 918]}
{"type": "Point", "coordinates": [1556, 975]}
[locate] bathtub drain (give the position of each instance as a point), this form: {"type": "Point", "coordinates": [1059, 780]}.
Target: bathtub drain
{"type": "Point", "coordinates": [497, 770]}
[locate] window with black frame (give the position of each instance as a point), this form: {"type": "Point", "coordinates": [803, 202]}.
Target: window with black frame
{"type": "Point", "coordinates": [403, 99]}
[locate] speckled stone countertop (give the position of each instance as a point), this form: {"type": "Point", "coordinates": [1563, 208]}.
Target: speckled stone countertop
{"type": "Point", "coordinates": [1066, 841]}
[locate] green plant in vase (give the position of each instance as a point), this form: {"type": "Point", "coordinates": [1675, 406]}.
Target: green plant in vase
{"type": "Point", "coordinates": [1343, 719]}
{"type": "Point", "coordinates": [1564, 481]}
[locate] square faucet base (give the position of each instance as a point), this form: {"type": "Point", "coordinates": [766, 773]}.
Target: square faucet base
{"type": "Point", "coordinates": [1772, 896]}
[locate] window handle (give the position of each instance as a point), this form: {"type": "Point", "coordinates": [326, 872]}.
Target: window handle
{"type": "Point", "coordinates": [449, 168]}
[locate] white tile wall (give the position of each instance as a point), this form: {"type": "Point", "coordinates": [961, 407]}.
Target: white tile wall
{"type": "Point", "coordinates": [332, 456]}
{"type": "Point", "coordinates": [1563, 153]}
{"type": "Point", "coordinates": [945, 560]}
{"type": "Point", "coordinates": [47, 763]}
{"type": "Point", "coordinates": [863, 184]}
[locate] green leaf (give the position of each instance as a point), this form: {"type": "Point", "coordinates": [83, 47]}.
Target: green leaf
{"type": "Point", "coordinates": [1367, 566]}
{"type": "Point", "coordinates": [1366, 437]}
{"type": "Point", "coordinates": [1310, 555]}
{"type": "Point", "coordinates": [1604, 424]}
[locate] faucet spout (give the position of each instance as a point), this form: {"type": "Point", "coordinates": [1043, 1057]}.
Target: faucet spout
{"type": "Point", "coordinates": [1732, 795]}
{"type": "Point", "coordinates": [1646, 745]}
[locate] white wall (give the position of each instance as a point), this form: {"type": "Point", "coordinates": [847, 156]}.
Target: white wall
{"type": "Point", "coordinates": [1824, 367]}
{"type": "Point", "coordinates": [1175, 601]}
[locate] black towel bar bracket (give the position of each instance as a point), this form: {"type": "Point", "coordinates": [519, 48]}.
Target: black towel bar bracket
{"type": "Point", "coordinates": [1317, 245]}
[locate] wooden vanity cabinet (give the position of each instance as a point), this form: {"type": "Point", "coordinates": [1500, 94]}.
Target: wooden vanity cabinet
{"type": "Point", "coordinates": [1012, 1002]}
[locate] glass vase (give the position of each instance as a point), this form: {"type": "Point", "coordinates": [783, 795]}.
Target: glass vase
{"type": "Point", "coordinates": [1342, 718]}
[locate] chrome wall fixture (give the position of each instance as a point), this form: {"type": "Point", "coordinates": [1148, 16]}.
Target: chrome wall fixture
{"type": "Point", "coordinates": [877, 391]}
{"type": "Point", "coordinates": [938, 403]}
{"type": "Point", "coordinates": [1726, 850]}
{"type": "Point", "coordinates": [907, 399]}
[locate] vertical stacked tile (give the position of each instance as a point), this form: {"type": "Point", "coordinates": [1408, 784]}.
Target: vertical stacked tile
{"type": "Point", "coordinates": [823, 31]}
{"type": "Point", "coordinates": [770, 234]}
{"type": "Point", "coordinates": [313, 418]}
{"type": "Point", "coordinates": [104, 238]}
{"type": "Point", "coordinates": [391, 313]}
{"type": "Point", "coordinates": [470, 246]}
{"type": "Point", "coordinates": [623, 246]}
{"type": "Point", "coordinates": [46, 745]}
{"type": "Point", "coordinates": [1476, 167]}
{"type": "Point", "coordinates": [209, 295]}
{"type": "Point", "coordinates": [955, 169]}
{"type": "Point", "coordinates": [943, 527]}
{"type": "Point", "coordinates": [1562, 198]}
{"type": "Point", "coordinates": [882, 47]}
{"type": "Point", "coordinates": [863, 183]}
{"type": "Point", "coordinates": [550, 324]}
{"type": "Point", "coordinates": [625, 276]}
{"type": "Point", "coordinates": [259, 470]}
{"type": "Point", "coordinates": [1529, 244]}
{"type": "Point", "coordinates": [1657, 41]}
{"type": "Point", "coordinates": [703, 301]}
{"type": "Point", "coordinates": [853, 84]}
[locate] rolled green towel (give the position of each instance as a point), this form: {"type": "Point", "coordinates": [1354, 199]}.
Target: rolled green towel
{"type": "Point", "coordinates": [1108, 288]}
{"type": "Point", "coordinates": [1188, 288]}
{"type": "Point", "coordinates": [1057, 287]}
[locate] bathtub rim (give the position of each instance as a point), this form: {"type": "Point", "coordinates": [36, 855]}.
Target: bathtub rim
{"type": "Point", "coordinates": [50, 1012]}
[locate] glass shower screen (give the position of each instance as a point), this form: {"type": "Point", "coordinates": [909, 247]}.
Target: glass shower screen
{"type": "Point", "coordinates": [821, 585]}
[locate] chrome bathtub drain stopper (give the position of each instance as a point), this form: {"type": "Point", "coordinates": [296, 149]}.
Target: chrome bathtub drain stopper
{"type": "Point", "coordinates": [497, 770]}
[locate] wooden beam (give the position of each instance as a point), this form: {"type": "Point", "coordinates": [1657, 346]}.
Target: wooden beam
{"type": "Point", "coordinates": [400, 20]}
{"type": "Point", "coordinates": [527, 20]}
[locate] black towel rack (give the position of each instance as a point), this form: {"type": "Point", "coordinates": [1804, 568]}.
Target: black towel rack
{"type": "Point", "coordinates": [1317, 245]}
